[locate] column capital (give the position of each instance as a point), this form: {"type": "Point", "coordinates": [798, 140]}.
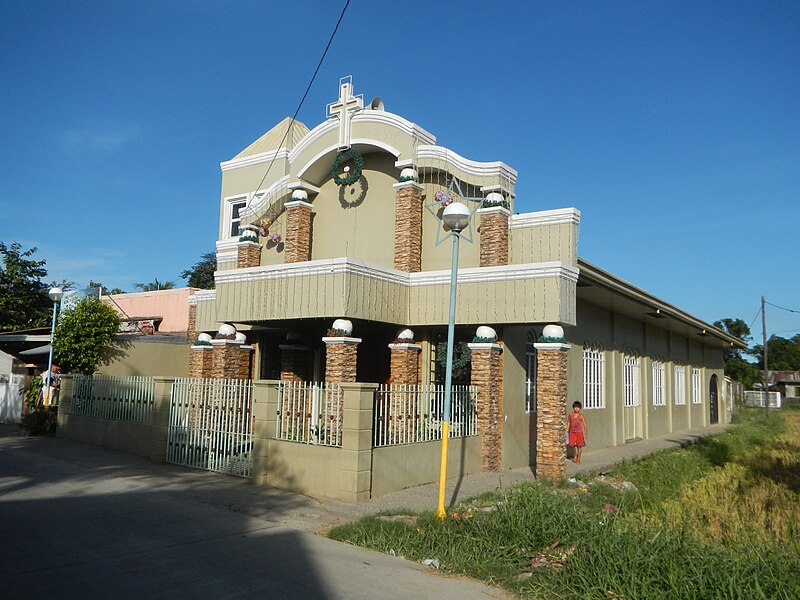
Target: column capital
{"type": "Point", "coordinates": [299, 204]}
{"type": "Point", "coordinates": [485, 346]}
{"type": "Point", "coordinates": [402, 185]}
{"type": "Point", "coordinates": [405, 346]}
{"type": "Point", "coordinates": [341, 340]}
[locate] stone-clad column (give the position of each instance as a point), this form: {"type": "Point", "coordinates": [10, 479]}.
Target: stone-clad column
{"type": "Point", "coordinates": [408, 225]}
{"type": "Point", "coordinates": [225, 359]}
{"type": "Point", "coordinates": [341, 359]}
{"type": "Point", "coordinates": [298, 230]}
{"type": "Point", "coordinates": [245, 362]}
{"type": "Point", "coordinates": [404, 369]}
{"type": "Point", "coordinates": [551, 408]}
{"type": "Point", "coordinates": [294, 362]}
{"type": "Point", "coordinates": [200, 361]}
{"type": "Point", "coordinates": [248, 254]}
{"type": "Point", "coordinates": [494, 236]}
{"type": "Point", "coordinates": [487, 376]}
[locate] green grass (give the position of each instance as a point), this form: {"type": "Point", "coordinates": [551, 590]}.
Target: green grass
{"type": "Point", "coordinates": [698, 525]}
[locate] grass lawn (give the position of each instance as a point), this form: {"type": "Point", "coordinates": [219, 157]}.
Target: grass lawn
{"type": "Point", "coordinates": [720, 519]}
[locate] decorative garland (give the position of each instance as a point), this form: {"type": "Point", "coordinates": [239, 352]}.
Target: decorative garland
{"type": "Point", "coordinates": [462, 355]}
{"type": "Point", "coordinates": [338, 333]}
{"type": "Point", "coordinates": [350, 176]}
{"type": "Point", "coordinates": [484, 340]}
{"type": "Point", "coordinates": [551, 340]}
{"type": "Point", "coordinates": [404, 179]}
{"type": "Point", "coordinates": [202, 343]}
{"type": "Point", "coordinates": [494, 203]}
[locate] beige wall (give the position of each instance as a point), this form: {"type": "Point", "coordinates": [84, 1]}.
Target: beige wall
{"type": "Point", "coordinates": [617, 335]}
{"type": "Point", "coordinates": [358, 221]}
{"type": "Point", "coordinates": [544, 243]}
{"type": "Point", "coordinates": [519, 426]}
{"type": "Point", "coordinates": [145, 357]}
{"type": "Point", "coordinates": [398, 467]}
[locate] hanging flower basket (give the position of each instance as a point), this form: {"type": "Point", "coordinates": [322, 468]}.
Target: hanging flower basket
{"type": "Point", "coordinates": [442, 198]}
{"type": "Point", "coordinates": [351, 174]}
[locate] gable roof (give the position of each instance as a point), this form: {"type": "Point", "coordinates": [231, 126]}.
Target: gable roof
{"type": "Point", "coordinates": [271, 140]}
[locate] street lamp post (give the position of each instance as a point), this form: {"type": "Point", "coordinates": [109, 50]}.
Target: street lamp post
{"type": "Point", "coordinates": [456, 219]}
{"type": "Point", "coordinates": [55, 295]}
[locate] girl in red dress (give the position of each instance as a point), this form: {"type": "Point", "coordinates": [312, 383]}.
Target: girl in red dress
{"type": "Point", "coordinates": [578, 431]}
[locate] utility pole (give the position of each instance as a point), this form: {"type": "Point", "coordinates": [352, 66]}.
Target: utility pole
{"type": "Point", "coordinates": [766, 364]}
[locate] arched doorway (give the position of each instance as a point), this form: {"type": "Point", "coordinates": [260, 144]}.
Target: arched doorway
{"type": "Point", "coordinates": [713, 400]}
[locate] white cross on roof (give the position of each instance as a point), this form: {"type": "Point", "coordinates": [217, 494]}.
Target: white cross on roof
{"type": "Point", "coordinates": [344, 108]}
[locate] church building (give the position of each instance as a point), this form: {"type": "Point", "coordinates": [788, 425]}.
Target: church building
{"type": "Point", "coordinates": [334, 262]}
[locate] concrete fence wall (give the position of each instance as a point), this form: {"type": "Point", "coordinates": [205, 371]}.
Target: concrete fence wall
{"type": "Point", "coordinates": [353, 473]}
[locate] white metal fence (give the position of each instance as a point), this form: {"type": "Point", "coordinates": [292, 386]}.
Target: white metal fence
{"type": "Point", "coordinates": [752, 398]}
{"type": "Point", "coordinates": [408, 414]}
{"type": "Point", "coordinates": [211, 425]}
{"type": "Point", "coordinates": [11, 390]}
{"type": "Point", "coordinates": [310, 413]}
{"type": "Point", "coordinates": [112, 397]}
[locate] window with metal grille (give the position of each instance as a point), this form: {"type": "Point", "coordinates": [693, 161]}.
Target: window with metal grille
{"type": "Point", "coordinates": [659, 398]}
{"type": "Point", "coordinates": [697, 390]}
{"type": "Point", "coordinates": [593, 378]}
{"type": "Point", "coordinates": [531, 370]}
{"type": "Point", "coordinates": [630, 380]}
{"type": "Point", "coordinates": [679, 389]}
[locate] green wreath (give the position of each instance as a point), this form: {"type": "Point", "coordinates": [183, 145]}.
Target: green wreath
{"type": "Point", "coordinates": [355, 174]}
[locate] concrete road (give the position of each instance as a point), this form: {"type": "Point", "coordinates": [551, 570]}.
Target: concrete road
{"type": "Point", "coordinates": [81, 522]}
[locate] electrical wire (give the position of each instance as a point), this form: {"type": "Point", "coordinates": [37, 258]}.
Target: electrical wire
{"type": "Point", "coordinates": [782, 308]}
{"type": "Point", "coordinates": [303, 99]}
{"type": "Point", "coordinates": [754, 318]}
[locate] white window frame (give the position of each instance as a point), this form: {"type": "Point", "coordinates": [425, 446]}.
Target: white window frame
{"type": "Point", "coordinates": [594, 363]}
{"type": "Point", "coordinates": [630, 380]}
{"type": "Point", "coordinates": [697, 386]}
{"type": "Point", "coordinates": [679, 385]}
{"type": "Point", "coordinates": [230, 220]}
{"type": "Point", "coordinates": [659, 378]}
{"type": "Point", "coordinates": [531, 372]}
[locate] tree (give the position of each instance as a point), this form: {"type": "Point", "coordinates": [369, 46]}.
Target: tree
{"type": "Point", "coordinates": [84, 334]}
{"type": "Point", "coordinates": [783, 354]}
{"type": "Point", "coordinates": [736, 328]}
{"type": "Point", "coordinates": [24, 302]}
{"type": "Point", "coordinates": [155, 286]}
{"type": "Point", "coordinates": [64, 284]}
{"type": "Point", "coordinates": [104, 289]}
{"type": "Point", "coordinates": [201, 274]}
{"type": "Point", "coordinates": [736, 366]}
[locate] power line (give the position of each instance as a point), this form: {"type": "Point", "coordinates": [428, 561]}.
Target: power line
{"type": "Point", "coordinates": [754, 318]}
{"type": "Point", "coordinates": [303, 99]}
{"type": "Point", "coordinates": [782, 308]}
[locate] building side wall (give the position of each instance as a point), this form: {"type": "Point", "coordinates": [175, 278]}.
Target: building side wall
{"type": "Point", "coordinates": [171, 305]}
{"type": "Point", "coordinates": [618, 335]}
{"type": "Point", "coordinates": [147, 358]}
{"type": "Point", "coordinates": [357, 221]}
{"type": "Point", "coordinates": [543, 243]}
{"type": "Point", "coordinates": [519, 426]}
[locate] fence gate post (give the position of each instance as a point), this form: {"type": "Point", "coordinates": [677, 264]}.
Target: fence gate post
{"type": "Point", "coordinates": [160, 418]}
{"type": "Point", "coordinates": [265, 410]}
{"type": "Point", "coordinates": [356, 466]}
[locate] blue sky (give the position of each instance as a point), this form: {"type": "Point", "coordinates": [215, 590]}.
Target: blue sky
{"type": "Point", "coordinates": [672, 126]}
